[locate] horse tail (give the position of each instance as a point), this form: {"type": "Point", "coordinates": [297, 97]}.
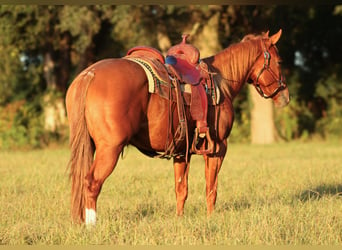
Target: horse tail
{"type": "Point", "coordinates": [81, 144]}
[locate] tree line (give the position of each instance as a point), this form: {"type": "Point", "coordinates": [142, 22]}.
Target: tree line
{"type": "Point", "coordinates": [42, 48]}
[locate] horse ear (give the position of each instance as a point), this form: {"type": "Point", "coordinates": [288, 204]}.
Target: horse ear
{"type": "Point", "coordinates": [274, 39]}
{"type": "Point", "coordinates": [266, 34]}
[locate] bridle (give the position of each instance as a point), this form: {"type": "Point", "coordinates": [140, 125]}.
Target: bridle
{"type": "Point", "coordinates": [280, 80]}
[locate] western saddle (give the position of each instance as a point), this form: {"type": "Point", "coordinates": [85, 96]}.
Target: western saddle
{"type": "Point", "coordinates": [183, 67]}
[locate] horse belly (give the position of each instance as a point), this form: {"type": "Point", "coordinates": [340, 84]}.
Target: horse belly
{"type": "Point", "coordinates": [157, 130]}
{"type": "Point", "coordinates": [154, 127]}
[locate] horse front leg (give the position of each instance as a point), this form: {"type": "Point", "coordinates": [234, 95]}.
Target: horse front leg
{"type": "Point", "coordinates": [181, 169]}
{"type": "Point", "coordinates": [213, 165]}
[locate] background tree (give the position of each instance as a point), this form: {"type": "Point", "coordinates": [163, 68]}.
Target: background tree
{"type": "Point", "coordinates": [44, 47]}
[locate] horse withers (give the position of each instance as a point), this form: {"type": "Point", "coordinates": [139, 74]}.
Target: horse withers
{"type": "Point", "coordinates": [109, 106]}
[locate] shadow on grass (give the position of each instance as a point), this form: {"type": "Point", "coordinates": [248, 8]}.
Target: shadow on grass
{"type": "Point", "coordinates": [321, 191]}
{"type": "Point", "coordinates": [235, 206]}
{"type": "Point", "coordinates": [310, 194]}
{"type": "Point", "coordinates": [144, 210]}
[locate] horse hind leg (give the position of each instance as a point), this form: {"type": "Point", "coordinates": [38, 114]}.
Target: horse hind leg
{"type": "Point", "coordinates": [105, 161]}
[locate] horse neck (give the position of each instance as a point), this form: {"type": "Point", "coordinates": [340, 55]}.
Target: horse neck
{"type": "Point", "coordinates": [233, 65]}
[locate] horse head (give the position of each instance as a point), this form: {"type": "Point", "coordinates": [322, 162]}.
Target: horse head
{"type": "Point", "coordinates": [266, 74]}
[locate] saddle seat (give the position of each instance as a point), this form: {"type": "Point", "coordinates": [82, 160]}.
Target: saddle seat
{"type": "Point", "coordinates": [183, 59]}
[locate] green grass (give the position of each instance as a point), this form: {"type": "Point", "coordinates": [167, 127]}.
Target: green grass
{"type": "Point", "coordinates": [282, 194]}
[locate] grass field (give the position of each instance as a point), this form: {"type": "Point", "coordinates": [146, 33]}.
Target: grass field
{"type": "Point", "coordinates": [282, 194]}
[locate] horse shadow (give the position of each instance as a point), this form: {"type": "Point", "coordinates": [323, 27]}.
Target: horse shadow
{"type": "Point", "coordinates": [140, 211]}
{"type": "Point", "coordinates": [319, 192]}
{"type": "Point", "coordinates": [306, 195]}
{"type": "Point", "coordinates": [146, 209]}
{"type": "Point", "coordinates": [234, 206]}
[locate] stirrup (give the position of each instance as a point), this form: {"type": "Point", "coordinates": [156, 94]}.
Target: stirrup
{"type": "Point", "coordinates": [196, 141]}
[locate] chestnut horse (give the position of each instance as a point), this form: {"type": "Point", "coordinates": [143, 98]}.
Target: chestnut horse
{"type": "Point", "coordinates": [109, 107]}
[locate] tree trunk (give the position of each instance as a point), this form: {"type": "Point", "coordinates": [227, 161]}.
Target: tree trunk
{"type": "Point", "coordinates": [87, 58]}
{"type": "Point", "coordinates": [57, 74]}
{"type": "Point", "coordinates": [208, 40]}
{"type": "Point", "coordinates": [262, 119]}
{"type": "Point", "coordinates": [164, 42]}
{"type": "Point", "coordinates": [49, 70]}
{"type": "Point", "coordinates": [64, 62]}
{"type": "Point", "coordinates": [54, 113]}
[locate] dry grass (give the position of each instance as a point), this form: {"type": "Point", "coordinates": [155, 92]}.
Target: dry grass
{"type": "Point", "coordinates": [282, 194]}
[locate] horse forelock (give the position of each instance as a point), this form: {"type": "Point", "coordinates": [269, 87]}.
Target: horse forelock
{"type": "Point", "coordinates": [249, 37]}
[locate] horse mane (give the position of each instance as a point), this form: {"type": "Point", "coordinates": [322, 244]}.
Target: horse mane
{"type": "Point", "coordinates": [234, 60]}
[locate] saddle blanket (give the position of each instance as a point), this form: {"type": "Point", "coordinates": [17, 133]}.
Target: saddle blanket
{"type": "Point", "coordinates": [155, 71]}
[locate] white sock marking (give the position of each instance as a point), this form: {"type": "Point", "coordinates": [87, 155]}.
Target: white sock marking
{"type": "Point", "coordinates": [90, 215]}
